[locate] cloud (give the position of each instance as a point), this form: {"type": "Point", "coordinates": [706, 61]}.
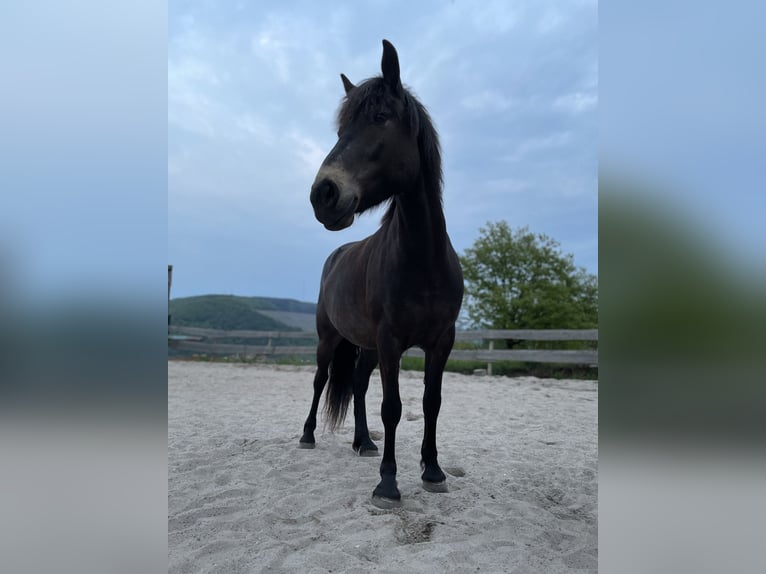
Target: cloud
{"type": "Point", "coordinates": [487, 101]}
{"type": "Point", "coordinates": [539, 144]}
{"type": "Point", "coordinates": [576, 102]}
{"type": "Point", "coordinates": [197, 103]}
{"type": "Point", "coordinates": [310, 153]}
{"type": "Point", "coordinates": [494, 17]}
{"type": "Point", "coordinates": [507, 185]}
{"type": "Point", "coordinates": [550, 21]}
{"type": "Point", "coordinates": [249, 125]}
{"type": "Point", "coordinates": [272, 48]}
{"type": "Point", "coordinates": [191, 70]}
{"type": "Point", "coordinates": [575, 186]}
{"type": "Point", "coordinates": [281, 47]}
{"type": "Point", "coordinates": [189, 107]}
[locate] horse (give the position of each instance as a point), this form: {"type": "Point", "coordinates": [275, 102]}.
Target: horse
{"type": "Point", "coordinates": [401, 287]}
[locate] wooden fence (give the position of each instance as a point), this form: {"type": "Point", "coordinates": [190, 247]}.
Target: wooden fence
{"type": "Point", "coordinates": [203, 341]}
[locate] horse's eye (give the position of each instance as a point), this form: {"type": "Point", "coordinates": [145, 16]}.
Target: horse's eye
{"type": "Point", "coordinates": [380, 118]}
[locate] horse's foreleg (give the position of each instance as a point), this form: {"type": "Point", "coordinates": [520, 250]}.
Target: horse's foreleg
{"type": "Point", "coordinates": [362, 445]}
{"type": "Point", "coordinates": [325, 352]}
{"type": "Point", "coordinates": [386, 494]}
{"type": "Point", "coordinates": [433, 477]}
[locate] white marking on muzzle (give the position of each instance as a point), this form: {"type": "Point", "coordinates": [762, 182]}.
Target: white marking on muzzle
{"type": "Point", "coordinates": [347, 185]}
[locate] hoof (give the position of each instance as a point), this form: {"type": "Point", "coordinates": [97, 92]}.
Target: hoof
{"type": "Point", "coordinates": [435, 486]}
{"type": "Point", "coordinates": [434, 479]}
{"type": "Point", "coordinates": [367, 452]}
{"type": "Point", "coordinates": [386, 494]}
{"type": "Point", "coordinates": [307, 439]}
{"type": "Point", "coordinates": [367, 448]}
{"type": "Point", "coordinates": [386, 503]}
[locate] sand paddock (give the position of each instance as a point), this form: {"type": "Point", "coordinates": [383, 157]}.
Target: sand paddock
{"type": "Point", "coordinates": [520, 456]}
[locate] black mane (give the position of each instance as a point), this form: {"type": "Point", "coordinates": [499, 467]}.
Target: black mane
{"type": "Point", "coordinates": [374, 95]}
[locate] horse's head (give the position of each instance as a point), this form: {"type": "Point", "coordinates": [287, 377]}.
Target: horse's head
{"type": "Point", "coordinates": [376, 155]}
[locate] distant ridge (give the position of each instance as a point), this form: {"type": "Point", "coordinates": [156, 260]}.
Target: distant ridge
{"type": "Point", "coordinates": [233, 312]}
{"type": "Point", "coordinates": [302, 321]}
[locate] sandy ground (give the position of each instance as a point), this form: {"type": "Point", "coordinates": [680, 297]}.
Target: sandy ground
{"type": "Point", "coordinates": [521, 457]}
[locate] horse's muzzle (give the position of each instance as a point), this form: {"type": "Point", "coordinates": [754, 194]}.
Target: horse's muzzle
{"type": "Point", "coordinates": [332, 208]}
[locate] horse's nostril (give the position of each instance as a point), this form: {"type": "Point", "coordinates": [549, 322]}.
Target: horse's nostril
{"type": "Point", "coordinates": [327, 193]}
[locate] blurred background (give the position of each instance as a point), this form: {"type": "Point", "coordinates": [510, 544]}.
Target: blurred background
{"type": "Point", "coordinates": [87, 173]}
{"type": "Point", "coordinates": [682, 287]}
{"type": "Point", "coordinates": [83, 249]}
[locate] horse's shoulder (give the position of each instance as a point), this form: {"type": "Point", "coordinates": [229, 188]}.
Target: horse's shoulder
{"type": "Point", "coordinates": [333, 257]}
{"type": "Point", "coordinates": [343, 248]}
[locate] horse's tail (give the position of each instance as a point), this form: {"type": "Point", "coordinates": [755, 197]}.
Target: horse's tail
{"type": "Point", "coordinates": [340, 387]}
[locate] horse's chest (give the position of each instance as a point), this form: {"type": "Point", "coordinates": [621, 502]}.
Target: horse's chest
{"type": "Point", "coordinates": [415, 303]}
{"type": "Point", "coordinates": [423, 293]}
{"type": "Point", "coordinates": [423, 306]}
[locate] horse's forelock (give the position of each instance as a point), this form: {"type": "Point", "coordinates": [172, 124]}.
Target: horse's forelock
{"type": "Point", "coordinates": [361, 100]}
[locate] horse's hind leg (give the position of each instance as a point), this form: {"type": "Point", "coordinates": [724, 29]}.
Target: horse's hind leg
{"type": "Point", "coordinates": [362, 445]}
{"type": "Point", "coordinates": [433, 477]}
{"type": "Point", "coordinates": [325, 351]}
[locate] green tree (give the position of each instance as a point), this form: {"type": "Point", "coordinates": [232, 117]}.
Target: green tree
{"type": "Point", "coordinates": [516, 279]}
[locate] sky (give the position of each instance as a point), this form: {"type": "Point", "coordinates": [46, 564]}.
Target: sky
{"type": "Point", "coordinates": [682, 116]}
{"type": "Point", "coordinates": [252, 95]}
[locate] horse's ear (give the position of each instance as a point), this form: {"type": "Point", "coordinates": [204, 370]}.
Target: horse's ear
{"type": "Point", "coordinates": [347, 85]}
{"type": "Point", "coordinates": [389, 65]}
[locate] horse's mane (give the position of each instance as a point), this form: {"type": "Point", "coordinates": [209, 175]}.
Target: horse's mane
{"type": "Point", "coordinates": [372, 94]}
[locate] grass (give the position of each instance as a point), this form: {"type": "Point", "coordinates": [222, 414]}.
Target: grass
{"type": "Point", "coordinates": [510, 369]}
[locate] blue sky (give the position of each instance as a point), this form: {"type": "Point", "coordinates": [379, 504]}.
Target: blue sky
{"type": "Point", "coordinates": [252, 95]}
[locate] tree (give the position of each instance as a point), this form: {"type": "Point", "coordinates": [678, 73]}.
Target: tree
{"type": "Point", "coordinates": [521, 280]}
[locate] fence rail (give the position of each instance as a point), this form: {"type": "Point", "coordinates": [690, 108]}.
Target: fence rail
{"type": "Point", "coordinates": [530, 334]}
{"type": "Point", "coordinates": [201, 340]}
{"type": "Point", "coordinates": [219, 334]}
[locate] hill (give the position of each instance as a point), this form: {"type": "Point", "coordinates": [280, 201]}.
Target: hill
{"type": "Point", "coordinates": [230, 312]}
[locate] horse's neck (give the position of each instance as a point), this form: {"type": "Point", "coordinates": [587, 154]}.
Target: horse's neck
{"type": "Point", "coordinates": [419, 222]}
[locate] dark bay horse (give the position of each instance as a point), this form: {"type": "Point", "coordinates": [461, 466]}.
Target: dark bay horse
{"type": "Point", "coordinates": [402, 286]}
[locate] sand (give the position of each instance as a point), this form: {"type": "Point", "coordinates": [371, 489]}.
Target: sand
{"type": "Point", "coordinates": [520, 456]}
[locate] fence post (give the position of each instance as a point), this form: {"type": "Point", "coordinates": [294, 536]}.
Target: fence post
{"type": "Point", "coordinates": [170, 281]}
{"type": "Point", "coordinates": [491, 348]}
